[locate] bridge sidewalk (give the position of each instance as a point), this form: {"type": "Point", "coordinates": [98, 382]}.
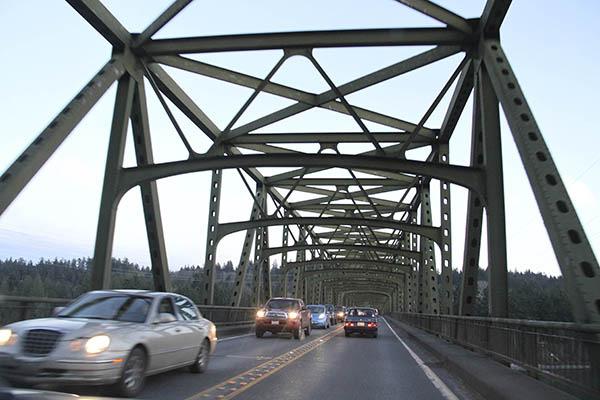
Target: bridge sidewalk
{"type": "Point", "coordinates": [489, 378]}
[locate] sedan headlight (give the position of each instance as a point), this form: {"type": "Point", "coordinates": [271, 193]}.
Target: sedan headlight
{"type": "Point", "coordinates": [340, 314]}
{"type": "Point", "coordinates": [322, 316]}
{"type": "Point", "coordinates": [292, 315]}
{"type": "Point", "coordinates": [7, 337]}
{"type": "Point", "coordinates": [261, 313]}
{"type": "Point", "coordinates": [97, 344]}
{"type": "Point", "coordinates": [212, 332]}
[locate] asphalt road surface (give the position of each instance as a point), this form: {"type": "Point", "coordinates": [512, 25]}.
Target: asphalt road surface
{"type": "Point", "coordinates": [325, 365]}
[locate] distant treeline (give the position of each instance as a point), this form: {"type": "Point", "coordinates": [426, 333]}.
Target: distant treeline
{"type": "Point", "coordinates": [531, 295]}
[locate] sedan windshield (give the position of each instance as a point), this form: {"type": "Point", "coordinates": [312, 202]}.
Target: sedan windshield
{"type": "Point", "coordinates": [282, 304]}
{"type": "Point", "coordinates": [316, 309]}
{"type": "Point", "coordinates": [361, 312]}
{"type": "Point", "coordinates": [116, 307]}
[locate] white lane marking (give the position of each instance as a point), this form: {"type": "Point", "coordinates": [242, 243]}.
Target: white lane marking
{"type": "Point", "coordinates": [234, 337]}
{"type": "Point", "coordinates": [437, 382]}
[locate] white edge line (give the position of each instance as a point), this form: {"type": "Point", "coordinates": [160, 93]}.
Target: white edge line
{"type": "Point", "coordinates": [234, 337]}
{"type": "Point", "coordinates": [435, 380]}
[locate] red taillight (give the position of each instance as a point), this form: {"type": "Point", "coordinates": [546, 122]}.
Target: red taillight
{"type": "Point", "coordinates": [372, 324]}
{"type": "Point", "coordinates": [348, 324]}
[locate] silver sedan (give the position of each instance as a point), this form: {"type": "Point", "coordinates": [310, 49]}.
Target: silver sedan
{"type": "Point", "coordinates": [115, 337]}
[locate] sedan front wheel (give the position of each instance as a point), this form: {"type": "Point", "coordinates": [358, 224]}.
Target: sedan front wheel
{"type": "Point", "coordinates": [133, 375]}
{"type": "Point", "coordinates": [201, 363]}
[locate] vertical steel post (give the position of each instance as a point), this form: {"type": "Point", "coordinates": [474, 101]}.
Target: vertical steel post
{"type": "Point", "coordinates": [284, 255]}
{"type": "Point", "coordinates": [211, 236]}
{"type": "Point", "coordinates": [494, 204]}
{"type": "Point", "coordinates": [265, 274]}
{"type": "Point", "coordinates": [240, 276]}
{"type": "Point", "coordinates": [258, 245]}
{"type": "Point", "coordinates": [101, 269]}
{"type": "Point", "coordinates": [468, 289]}
{"type": "Point", "coordinates": [429, 273]}
{"type": "Point", "coordinates": [446, 290]}
{"type": "Point", "coordinates": [140, 127]}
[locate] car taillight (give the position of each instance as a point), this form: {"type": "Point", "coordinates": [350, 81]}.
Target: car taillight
{"type": "Point", "coordinates": [348, 324]}
{"type": "Point", "coordinates": [372, 324]}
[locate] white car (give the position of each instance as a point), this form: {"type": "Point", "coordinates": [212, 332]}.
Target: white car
{"type": "Point", "coordinates": [112, 337]}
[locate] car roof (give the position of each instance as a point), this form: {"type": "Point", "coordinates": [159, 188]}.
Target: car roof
{"type": "Point", "coordinates": [283, 298]}
{"type": "Point", "coordinates": [138, 292]}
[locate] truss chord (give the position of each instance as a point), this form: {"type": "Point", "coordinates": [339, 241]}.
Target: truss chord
{"type": "Point", "coordinates": [433, 106]}
{"type": "Point", "coordinates": [165, 106]}
{"type": "Point", "coordinates": [342, 98]}
{"type": "Point", "coordinates": [256, 92]}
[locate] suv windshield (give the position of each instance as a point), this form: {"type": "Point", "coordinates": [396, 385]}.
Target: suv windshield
{"type": "Point", "coordinates": [316, 309]}
{"type": "Point", "coordinates": [116, 307]}
{"type": "Point", "coordinates": [282, 304]}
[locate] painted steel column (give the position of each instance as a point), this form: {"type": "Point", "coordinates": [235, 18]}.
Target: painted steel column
{"type": "Point", "coordinates": [320, 296]}
{"type": "Point", "coordinates": [242, 270]}
{"type": "Point", "coordinates": [494, 205]}
{"type": "Point", "coordinates": [468, 289]}
{"type": "Point", "coordinates": [299, 274]}
{"type": "Point", "coordinates": [430, 291]}
{"type": "Point", "coordinates": [415, 264]}
{"type": "Point", "coordinates": [140, 127]}
{"type": "Point", "coordinates": [258, 245]}
{"type": "Point", "coordinates": [446, 290]}
{"type": "Point", "coordinates": [576, 259]}
{"type": "Point", "coordinates": [101, 269]}
{"type": "Point", "coordinates": [211, 236]}
{"type": "Point", "coordinates": [265, 274]}
{"type": "Point", "coordinates": [284, 254]}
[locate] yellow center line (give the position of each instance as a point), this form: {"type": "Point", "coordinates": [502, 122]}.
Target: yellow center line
{"type": "Point", "coordinates": [231, 387]}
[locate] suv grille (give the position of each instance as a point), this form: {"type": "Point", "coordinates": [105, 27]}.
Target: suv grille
{"type": "Point", "coordinates": [276, 314]}
{"type": "Point", "coordinates": [40, 342]}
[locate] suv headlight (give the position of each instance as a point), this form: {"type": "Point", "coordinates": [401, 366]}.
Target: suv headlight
{"type": "Point", "coordinates": [261, 313]}
{"type": "Point", "coordinates": [7, 337]}
{"type": "Point", "coordinates": [97, 344]}
{"type": "Point", "coordinates": [292, 315]}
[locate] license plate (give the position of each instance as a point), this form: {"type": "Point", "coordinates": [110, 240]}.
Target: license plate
{"type": "Point", "coordinates": [274, 322]}
{"type": "Point", "coordinates": [360, 324]}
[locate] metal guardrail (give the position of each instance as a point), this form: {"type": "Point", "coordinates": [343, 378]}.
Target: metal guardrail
{"type": "Point", "coordinates": [566, 355]}
{"type": "Point", "coordinates": [17, 308]}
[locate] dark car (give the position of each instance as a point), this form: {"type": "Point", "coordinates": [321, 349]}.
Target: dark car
{"type": "Point", "coordinates": [282, 314]}
{"type": "Point", "coordinates": [331, 313]}
{"type": "Point", "coordinates": [340, 313]}
{"type": "Point", "coordinates": [361, 320]}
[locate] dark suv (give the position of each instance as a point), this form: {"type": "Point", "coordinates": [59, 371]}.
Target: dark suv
{"type": "Point", "coordinates": [282, 314]}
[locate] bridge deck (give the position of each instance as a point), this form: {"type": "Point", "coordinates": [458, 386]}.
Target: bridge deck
{"type": "Point", "coordinates": [325, 365]}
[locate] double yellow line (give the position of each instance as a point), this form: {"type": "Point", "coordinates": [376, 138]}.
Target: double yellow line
{"type": "Point", "coordinates": [231, 387]}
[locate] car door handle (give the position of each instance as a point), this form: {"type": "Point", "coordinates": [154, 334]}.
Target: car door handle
{"type": "Point", "coordinates": [177, 330]}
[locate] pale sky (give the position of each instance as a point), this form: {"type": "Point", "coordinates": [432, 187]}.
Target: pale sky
{"type": "Point", "coordinates": [51, 53]}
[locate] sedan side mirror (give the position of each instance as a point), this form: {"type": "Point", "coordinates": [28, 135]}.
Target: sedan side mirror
{"type": "Point", "coordinates": [57, 310]}
{"type": "Point", "coordinates": [164, 318]}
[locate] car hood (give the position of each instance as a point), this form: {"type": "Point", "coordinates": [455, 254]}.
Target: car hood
{"type": "Point", "coordinates": [71, 327]}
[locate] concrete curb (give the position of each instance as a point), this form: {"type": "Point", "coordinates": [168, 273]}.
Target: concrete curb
{"type": "Point", "coordinates": [479, 372]}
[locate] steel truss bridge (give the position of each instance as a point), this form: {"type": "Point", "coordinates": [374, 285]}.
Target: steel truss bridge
{"type": "Point", "coordinates": [365, 231]}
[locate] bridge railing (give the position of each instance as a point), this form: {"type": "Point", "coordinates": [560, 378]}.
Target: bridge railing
{"type": "Point", "coordinates": [566, 355]}
{"type": "Point", "coordinates": [17, 308]}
